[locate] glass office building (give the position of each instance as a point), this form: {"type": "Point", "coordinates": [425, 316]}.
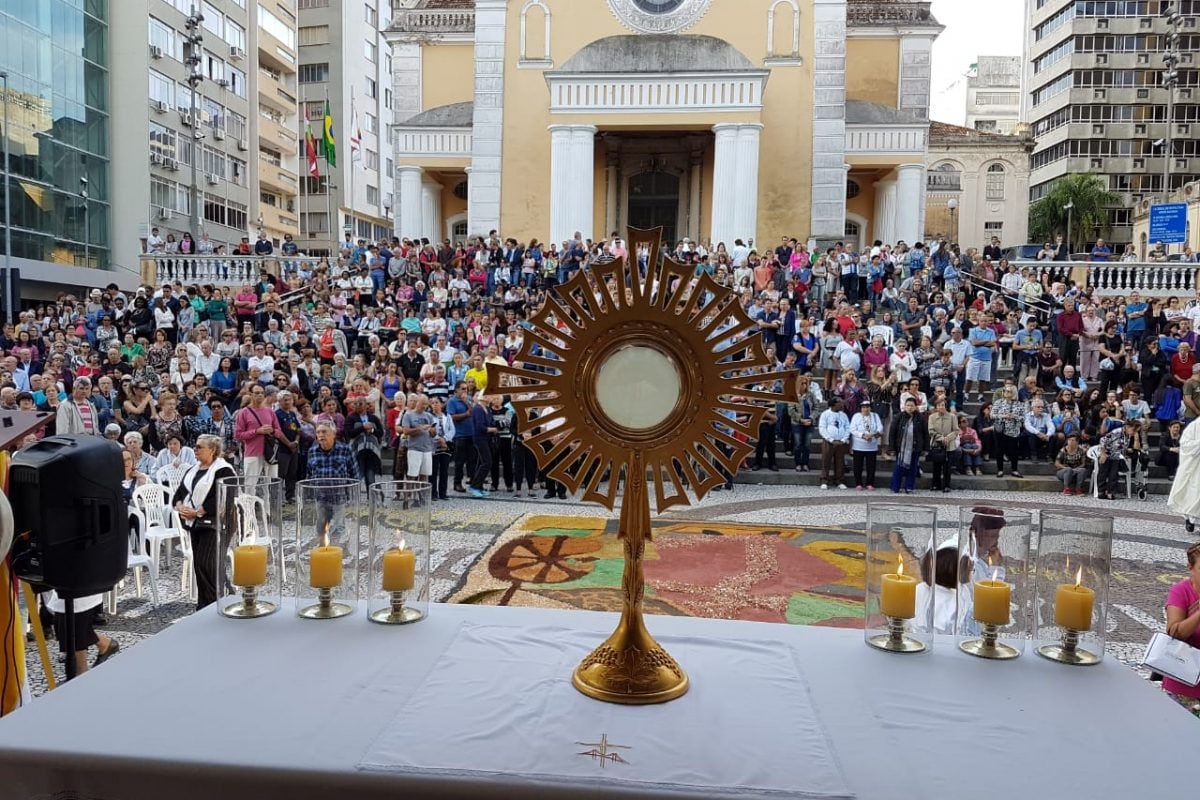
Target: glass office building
{"type": "Point", "coordinates": [55, 53]}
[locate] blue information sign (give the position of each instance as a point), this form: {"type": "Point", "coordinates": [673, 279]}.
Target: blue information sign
{"type": "Point", "coordinates": [1168, 223]}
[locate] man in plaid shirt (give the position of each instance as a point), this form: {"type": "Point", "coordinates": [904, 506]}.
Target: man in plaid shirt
{"type": "Point", "coordinates": [330, 459]}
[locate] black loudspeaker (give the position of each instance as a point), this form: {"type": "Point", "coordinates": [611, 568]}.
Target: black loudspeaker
{"type": "Point", "coordinates": [70, 515]}
{"type": "Point", "coordinates": [10, 294]}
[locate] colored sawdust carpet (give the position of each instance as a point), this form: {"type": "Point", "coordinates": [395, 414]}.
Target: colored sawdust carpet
{"type": "Point", "coordinates": [722, 570]}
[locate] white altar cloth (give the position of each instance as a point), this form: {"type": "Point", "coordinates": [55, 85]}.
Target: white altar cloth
{"type": "Point", "coordinates": [224, 709]}
{"type": "Point", "coordinates": [497, 703]}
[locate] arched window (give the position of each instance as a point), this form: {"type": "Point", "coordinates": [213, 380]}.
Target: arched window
{"type": "Point", "coordinates": [852, 189]}
{"type": "Point", "coordinates": [783, 47]}
{"type": "Point", "coordinates": [945, 177]}
{"type": "Point", "coordinates": [995, 182]}
{"type": "Point", "coordinates": [535, 42]}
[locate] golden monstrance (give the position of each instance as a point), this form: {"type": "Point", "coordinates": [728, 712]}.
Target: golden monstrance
{"type": "Point", "coordinates": [655, 377]}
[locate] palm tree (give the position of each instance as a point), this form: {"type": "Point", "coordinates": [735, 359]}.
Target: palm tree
{"type": "Point", "coordinates": [1079, 200]}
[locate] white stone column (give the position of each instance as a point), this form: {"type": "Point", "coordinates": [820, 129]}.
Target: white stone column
{"type": "Point", "coordinates": [572, 181]}
{"type": "Point", "coordinates": [612, 193]}
{"type": "Point", "coordinates": [483, 207]}
{"type": "Point", "coordinates": [408, 200]}
{"type": "Point", "coordinates": [910, 200]}
{"type": "Point", "coordinates": [746, 208]}
{"type": "Point", "coordinates": [725, 196]}
{"type": "Point", "coordinates": [431, 211]}
{"type": "Point", "coordinates": [695, 192]}
{"type": "Point", "coordinates": [883, 227]}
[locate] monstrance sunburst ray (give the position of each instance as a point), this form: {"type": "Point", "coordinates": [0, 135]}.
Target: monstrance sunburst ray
{"type": "Point", "coordinates": [634, 373]}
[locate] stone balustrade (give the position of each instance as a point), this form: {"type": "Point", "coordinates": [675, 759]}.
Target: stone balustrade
{"type": "Point", "coordinates": [227, 271]}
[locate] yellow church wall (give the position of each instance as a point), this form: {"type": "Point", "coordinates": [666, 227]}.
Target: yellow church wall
{"type": "Point", "coordinates": [785, 156]}
{"type": "Point", "coordinates": [873, 70]}
{"type": "Point", "coordinates": [447, 74]}
{"type": "Point", "coordinates": [864, 204]}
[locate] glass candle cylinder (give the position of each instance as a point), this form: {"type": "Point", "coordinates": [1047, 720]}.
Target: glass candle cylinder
{"type": "Point", "coordinates": [987, 572]}
{"type": "Point", "coordinates": [1074, 563]}
{"type": "Point", "coordinates": [899, 603]}
{"type": "Point", "coordinates": [329, 528]}
{"type": "Point", "coordinates": [398, 566]}
{"type": "Point", "coordinates": [249, 557]}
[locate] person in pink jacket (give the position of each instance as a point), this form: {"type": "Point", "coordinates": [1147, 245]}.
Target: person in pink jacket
{"type": "Point", "coordinates": [254, 427]}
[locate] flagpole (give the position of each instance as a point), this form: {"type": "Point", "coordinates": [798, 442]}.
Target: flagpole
{"type": "Point", "coordinates": [332, 225]}
{"type": "Point", "coordinates": [351, 163]}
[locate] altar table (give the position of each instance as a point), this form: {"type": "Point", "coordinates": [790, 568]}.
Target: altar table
{"type": "Point", "coordinates": [219, 709]}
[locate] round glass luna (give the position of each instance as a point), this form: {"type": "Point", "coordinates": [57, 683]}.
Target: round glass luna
{"type": "Point", "coordinates": [658, 6]}
{"type": "Point", "coordinates": [638, 387]}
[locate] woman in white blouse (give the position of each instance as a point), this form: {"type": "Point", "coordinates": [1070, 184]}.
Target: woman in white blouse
{"type": "Point", "coordinates": [902, 364]}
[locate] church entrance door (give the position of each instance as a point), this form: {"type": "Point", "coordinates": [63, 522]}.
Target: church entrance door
{"type": "Point", "coordinates": [654, 201]}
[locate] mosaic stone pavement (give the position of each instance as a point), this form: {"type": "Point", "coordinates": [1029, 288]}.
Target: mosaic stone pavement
{"type": "Point", "coordinates": [1148, 550]}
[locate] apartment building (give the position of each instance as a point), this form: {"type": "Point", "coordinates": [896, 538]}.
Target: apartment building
{"type": "Point", "coordinates": [994, 95]}
{"type": "Point", "coordinates": [240, 130]}
{"type": "Point", "coordinates": [344, 59]}
{"type": "Point", "coordinates": [1095, 102]}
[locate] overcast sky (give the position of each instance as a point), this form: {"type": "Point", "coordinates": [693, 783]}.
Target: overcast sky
{"type": "Point", "coordinates": [973, 28]}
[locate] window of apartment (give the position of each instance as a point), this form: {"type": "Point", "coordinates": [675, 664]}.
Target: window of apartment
{"type": "Point", "coordinates": [372, 90]}
{"type": "Point", "coordinates": [314, 222]}
{"type": "Point", "coordinates": [235, 213]}
{"type": "Point", "coordinates": [214, 20]}
{"type": "Point", "coordinates": [1049, 155]}
{"type": "Point", "coordinates": [236, 125]}
{"type": "Point", "coordinates": [162, 88]}
{"type": "Point", "coordinates": [313, 110]}
{"type": "Point", "coordinates": [162, 140]}
{"type": "Point", "coordinates": [371, 159]}
{"type": "Point", "coordinates": [214, 209]}
{"type": "Point", "coordinates": [237, 171]}
{"type": "Point", "coordinates": [390, 172]}
{"type": "Point", "coordinates": [313, 34]}
{"type": "Point", "coordinates": [215, 113]}
{"type": "Point", "coordinates": [1120, 216]}
{"type": "Point", "coordinates": [235, 35]}
{"type": "Point", "coordinates": [997, 98]}
{"type": "Point", "coordinates": [1055, 120]}
{"type": "Point", "coordinates": [388, 200]}
{"type": "Point", "coordinates": [1055, 87]}
{"type": "Point", "coordinates": [370, 123]}
{"type": "Point", "coordinates": [186, 146]}
{"type": "Point", "coordinates": [1054, 23]}
{"type": "Point", "coordinates": [237, 80]}
{"type": "Point", "coordinates": [276, 27]}
{"type": "Point", "coordinates": [271, 156]}
{"type": "Point", "coordinates": [311, 185]}
{"type": "Point", "coordinates": [371, 16]}
{"type": "Point", "coordinates": [1058, 53]}
{"type": "Point", "coordinates": [183, 97]}
{"type": "Point", "coordinates": [387, 62]}
{"type": "Point", "coordinates": [387, 96]}
{"type": "Point", "coordinates": [214, 67]}
{"type": "Point", "coordinates": [993, 228]}
{"type": "Point", "coordinates": [995, 182]}
{"type": "Point", "coordinates": [314, 73]}
{"type": "Point", "coordinates": [165, 38]}
{"type": "Point", "coordinates": [306, 4]}
{"type": "Point", "coordinates": [213, 163]}
{"type": "Point", "coordinates": [163, 194]}
{"type": "Point", "coordinates": [372, 195]}
{"type": "Point", "coordinates": [370, 51]}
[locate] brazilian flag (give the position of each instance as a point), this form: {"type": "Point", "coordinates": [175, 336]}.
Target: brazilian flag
{"type": "Point", "coordinates": [328, 148]}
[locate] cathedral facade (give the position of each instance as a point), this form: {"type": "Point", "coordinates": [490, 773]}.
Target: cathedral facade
{"type": "Point", "coordinates": [716, 119]}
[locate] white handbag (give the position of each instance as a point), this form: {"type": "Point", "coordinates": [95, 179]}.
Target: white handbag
{"type": "Point", "coordinates": [1173, 658]}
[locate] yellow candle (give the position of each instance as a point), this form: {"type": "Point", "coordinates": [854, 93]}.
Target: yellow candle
{"type": "Point", "coordinates": [992, 599]}
{"type": "Point", "coordinates": [1073, 606]}
{"type": "Point", "coordinates": [898, 594]}
{"type": "Point", "coordinates": [399, 567]}
{"type": "Point", "coordinates": [250, 565]}
{"type": "Point", "coordinates": [325, 567]}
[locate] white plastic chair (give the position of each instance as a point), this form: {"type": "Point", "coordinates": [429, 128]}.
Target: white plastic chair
{"type": "Point", "coordinates": [170, 477]}
{"type": "Point", "coordinates": [138, 558]}
{"type": "Point", "coordinates": [1093, 455]}
{"type": "Point", "coordinates": [884, 331]}
{"type": "Point", "coordinates": [162, 522]}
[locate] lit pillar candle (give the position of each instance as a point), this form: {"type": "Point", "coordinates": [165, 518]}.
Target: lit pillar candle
{"type": "Point", "coordinates": [1073, 605]}
{"type": "Point", "coordinates": [325, 567]}
{"type": "Point", "coordinates": [250, 565]}
{"type": "Point", "coordinates": [399, 568]}
{"type": "Point", "coordinates": [992, 600]}
{"type": "Point", "coordinates": [898, 594]}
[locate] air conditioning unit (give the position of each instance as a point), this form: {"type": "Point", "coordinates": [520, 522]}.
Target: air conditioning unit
{"type": "Point", "coordinates": [1181, 163]}
{"type": "Point", "coordinates": [218, 133]}
{"type": "Point", "coordinates": [187, 119]}
{"type": "Point", "coordinates": [243, 145]}
{"type": "Point", "coordinates": [165, 213]}
{"type": "Point", "coordinates": [1099, 94]}
{"type": "Point", "coordinates": [236, 53]}
{"type": "Point", "coordinates": [1143, 94]}
{"type": "Point", "coordinates": [156, 159]}
{"type": "Point", "coordinates": [171, 164]}
{"type": "Point", "coordinates": [1183, 128]}
{"type": "Point", "coordinates": [213, 179]}
{"type": "Point", "coordinates": [1101, 58]}
{"type": "Point", "coordinates": [161, 106]}
{"type": "Point", "coordinates": [223, 83]}
{"type": "Point", "coordinates": [156, 52]}
{"type": "Point", "coordinates": [1139, 163]}
{"type": "Point", "coordinates": [1185, 94]}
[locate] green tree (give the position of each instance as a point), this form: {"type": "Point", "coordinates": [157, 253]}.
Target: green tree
{"type": "Point", "coordinates": [1090, 198]}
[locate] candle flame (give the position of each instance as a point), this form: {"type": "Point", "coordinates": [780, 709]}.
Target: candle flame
{"type": "Point", "coordinates": [325, 536]}
{"type": "Point", "coordinates": [1078, 576]}
{"type": "Point", "coordinates": [995, 571]}
{"type": "Point", "coordinates": [899, 565]}
{"type": "Point", "coordinates": [399, 539]}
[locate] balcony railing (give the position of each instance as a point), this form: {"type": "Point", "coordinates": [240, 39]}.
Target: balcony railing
{"type": "Point", "coordinates": [1119, 278]}
{"type": "Point", "coordinates": [226, 271]}
{"type": "Point", "coordinates": [434, 21]}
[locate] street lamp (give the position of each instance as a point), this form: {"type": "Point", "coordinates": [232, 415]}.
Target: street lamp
{"type": "Point", "coordinates": [1070, 209]}
{"type": "Point", "coordinates": [952, 204]}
